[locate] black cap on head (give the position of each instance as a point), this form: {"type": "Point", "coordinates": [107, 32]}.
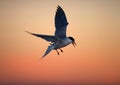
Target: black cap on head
{"type": "Point", "coordinates": [71, 38]}
{"type": "Point", "coordinates": [73, 41]}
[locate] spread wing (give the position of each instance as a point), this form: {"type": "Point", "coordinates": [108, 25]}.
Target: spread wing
{"type": "Point", "coordinates": [60, 23]}
{"type": "Point", "coordinates": [48, 38]}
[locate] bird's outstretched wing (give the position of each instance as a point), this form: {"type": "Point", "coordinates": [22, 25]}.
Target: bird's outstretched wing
{"type": "Point", "coordinates": [48, 38]}
{"type": "Point", "coordinates": [60, 23]}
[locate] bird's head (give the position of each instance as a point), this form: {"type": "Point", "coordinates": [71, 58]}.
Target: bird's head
{"type": "Point", "coordinates": [73, 41]}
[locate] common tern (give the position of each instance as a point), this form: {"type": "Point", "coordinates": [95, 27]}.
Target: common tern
{"type": "Point", "coordinates": [59, 39]}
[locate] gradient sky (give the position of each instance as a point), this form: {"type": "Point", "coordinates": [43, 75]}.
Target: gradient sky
{"type": "Point", "coordinates": [95, 25]}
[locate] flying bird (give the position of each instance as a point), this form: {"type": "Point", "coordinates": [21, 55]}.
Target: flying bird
{"type": "Point", "coordinates": [59, 39]}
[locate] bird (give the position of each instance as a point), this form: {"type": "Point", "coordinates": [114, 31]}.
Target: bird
{"type": "Point", "coordinates": [59, 39]}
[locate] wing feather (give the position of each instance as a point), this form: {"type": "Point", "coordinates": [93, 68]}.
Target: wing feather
{"type": "Point", "coordinates": [48, 38]}
{"type": "Point", "coordinates": [60, 23]}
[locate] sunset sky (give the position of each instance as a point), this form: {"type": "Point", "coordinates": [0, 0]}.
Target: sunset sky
{"type": "Point", "coordinates": [95, 25]}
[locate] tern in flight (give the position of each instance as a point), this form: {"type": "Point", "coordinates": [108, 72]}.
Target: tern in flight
{"type": "Point", "coordinates": [59, 39]}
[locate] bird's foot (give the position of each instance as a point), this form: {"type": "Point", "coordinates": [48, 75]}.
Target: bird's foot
{"type": "Point", "coordinates": [61, 50]}
{"type": "Point", "coordinates": [57, 52]}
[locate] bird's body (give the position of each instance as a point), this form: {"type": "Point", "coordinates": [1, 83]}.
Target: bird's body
{"type": "Point", "coordinates": [64, 43]}
{"type": "Point", "coordinates": [59, 39]}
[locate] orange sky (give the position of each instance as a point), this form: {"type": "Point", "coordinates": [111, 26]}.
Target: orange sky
{"type": "Point", "coordinates": [94, 24]}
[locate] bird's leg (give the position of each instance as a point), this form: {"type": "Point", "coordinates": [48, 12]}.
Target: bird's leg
{"type": "Point", "coordinates": [57, 52]}
{"type": "Point", "coordinates": [61, 50]}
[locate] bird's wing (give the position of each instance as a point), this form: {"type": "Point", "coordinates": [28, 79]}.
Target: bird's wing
{"type": "Point", "coordinates": [60, 23]}
{"type": "Point", "coordinates": [48, 38]}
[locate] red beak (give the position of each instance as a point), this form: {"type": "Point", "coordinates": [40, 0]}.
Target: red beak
{"type": "Point", "coordinates": [74, 44]}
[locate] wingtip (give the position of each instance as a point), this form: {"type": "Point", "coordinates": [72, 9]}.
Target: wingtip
{"type": "Point", "coordinates": [58, 6]}
{"type": "Point", "coordinates": [27, 32]}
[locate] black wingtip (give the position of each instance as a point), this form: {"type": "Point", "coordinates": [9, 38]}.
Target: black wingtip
{"type": "Point", "coordinates": [59, 7]}
{"type": "Point", "coordinates": [28, 32]}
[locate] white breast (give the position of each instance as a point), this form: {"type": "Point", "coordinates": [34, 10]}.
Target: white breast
{"type": "Point", "coordinates": [66, 42]}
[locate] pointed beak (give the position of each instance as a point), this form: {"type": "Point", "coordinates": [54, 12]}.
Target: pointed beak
{"type": "Point", "coordinates": [74, 44]}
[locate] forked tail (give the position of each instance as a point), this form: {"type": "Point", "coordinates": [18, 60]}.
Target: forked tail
{"type": "Point", "coordinates": [50, 48]}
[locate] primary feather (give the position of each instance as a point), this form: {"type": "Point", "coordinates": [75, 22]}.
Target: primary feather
{"type": "Point", "coordinates": [60, 23]}
{"type": "Point", "coordinates": [48, 38]}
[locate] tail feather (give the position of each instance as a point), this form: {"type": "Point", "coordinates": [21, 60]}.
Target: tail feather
{"type": "Point", "coordinates": [50, 48]}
